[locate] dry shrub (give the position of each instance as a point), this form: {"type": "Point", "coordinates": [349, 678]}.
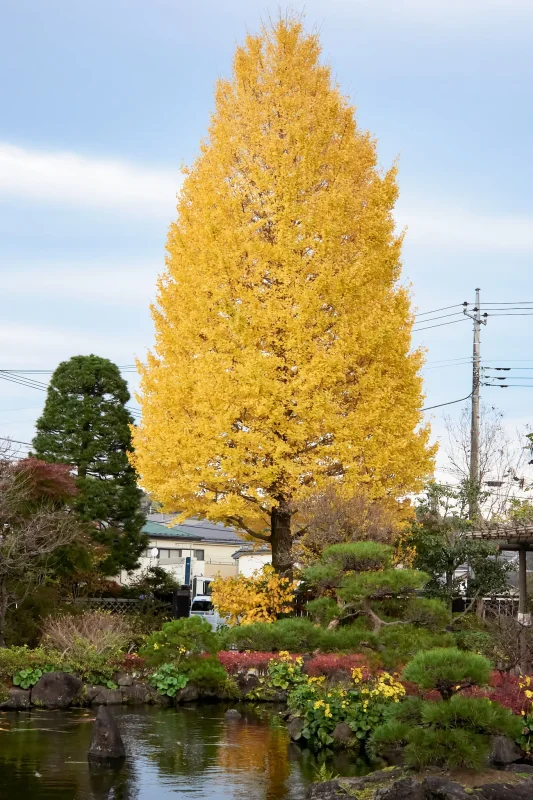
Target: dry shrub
{"type": "Point", "coordinates": [332, 518]}
{"type": "Point", "coordinates": [100, 632]}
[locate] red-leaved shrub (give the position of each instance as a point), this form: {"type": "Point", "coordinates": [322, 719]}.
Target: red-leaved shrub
{"type": "Point", "coordinates": [234, 662]}
{"type": "Point", "coordinates": [329, 663]}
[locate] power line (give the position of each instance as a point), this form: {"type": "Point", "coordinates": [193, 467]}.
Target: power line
{"type": "Point", "coordinates": [15, 441]}
{"type": "Point", "coordinates": [436, 310]}
{"type": "Point", "coordinates": [443, 316]}
{"type": "Point", "coordinates": [22, 382]}
{"type": "Point", "coordinates": [428, 408]}
{"type": "Point", "coordinates": [440, 325]}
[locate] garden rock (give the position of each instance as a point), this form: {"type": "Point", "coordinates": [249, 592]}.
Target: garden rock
{"type": "Point", "coordinates": [188, 694]}
{"type": "Point", "coordinates": [136, 694]}
{"type": "Point", "coordinates": [352, 787]}
{"type": "Point", "coordinates": [504, 750]}
{"type": "Point", "coordinates": [17, 700]}
{"type": "Point", "coordinates": [106, 742]}
{"type": "Point", "coordinates": [405, 789]}
{"type": "Point", "coordinates": [444, 789]}
{"type": "Point", "coordinates": [123, 679]}
{"type": "Point", "coordinates": [295, 728]}
{"type": "Point", "coordinates": [524, 769]}
{"type": "Point", "coordinates": [248, 683]}
{"type": "Point", "coordinates": [232, 713]}
{"type": "Point", "coordinates": [342, 733]}
{"type": "Point", "coordinates": [506, 791]}
{"type": "Point", "coordinates": [57, 690]}
{"type": "Point", "coordinates": [105, 696]}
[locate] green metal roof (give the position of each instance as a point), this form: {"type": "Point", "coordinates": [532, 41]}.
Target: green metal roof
{"type": "Point", "coordinates": [156, 529]}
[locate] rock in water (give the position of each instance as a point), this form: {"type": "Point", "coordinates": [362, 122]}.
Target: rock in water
{"type": "Point", "coordinates": [106, 744]}
{"type": "Point", "coordinates": [57, 690]}
{"type": "Point", "coordinates": [232, 713]}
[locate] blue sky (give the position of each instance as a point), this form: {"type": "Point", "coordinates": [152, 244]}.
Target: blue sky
{"type": "Point", "coordinates": [101, 102]}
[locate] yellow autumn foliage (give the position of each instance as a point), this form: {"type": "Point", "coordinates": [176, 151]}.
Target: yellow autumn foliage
{"type": "Point", "coordinates": [259, 598]}
{"type": "Point", "coordinates": [283, 359]}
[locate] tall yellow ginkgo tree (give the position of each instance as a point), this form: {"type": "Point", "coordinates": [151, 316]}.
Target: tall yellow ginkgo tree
{"type": "Point", "coordinates": [283, 357]}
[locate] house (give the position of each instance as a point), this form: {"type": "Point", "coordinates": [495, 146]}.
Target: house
{"type": "Point", "coordinates": [209, 546]}
{"type": "Point", "coordinates": [250, 559]}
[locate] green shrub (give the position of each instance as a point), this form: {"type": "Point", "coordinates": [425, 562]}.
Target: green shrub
{"type": "Point", "coordinates": [168, 680]}
{"type": "Point", "coordinates": [477, 714]}
{"type": "Point", "coordinates": [323, 610]}
{"type": "Point", "coordinates": [294, 634]}
{"type": "Point", "coordinates": [207, 673]}
{"type": "Point", "coordinates": [446, 748]}
{"type": "Point", "coordinates": [428, 612]}
{"type": "Point", "coordinates": [359, 556]}
{"type": "Point", "coordinates": [454, 732]}
{"type": "Point", "coordinates": [15, 659]}
{"type": "Point", "coordinates": [179, 639]}
{"type": "Point", "coordinates": [447, 670]}
{"type": "Point", "coordinates": [398, 644]}
{"type": "Point", "coordinates": [393, 734]}
{"type": "Point", "coordinates": [93, 668]}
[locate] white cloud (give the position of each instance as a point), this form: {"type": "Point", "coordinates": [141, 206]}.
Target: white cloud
{"type": "Point", "coordinates": [32, 346]}
{"type": "Point", "coordinates": [452, 228]}
{"type": "Point", "coordinates": [114, 284]}
{"type": "Point", "coordinates": [89, 182]}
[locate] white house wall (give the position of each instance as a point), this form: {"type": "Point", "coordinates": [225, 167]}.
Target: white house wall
{"type": "Point", "coordinates": [217, 560]}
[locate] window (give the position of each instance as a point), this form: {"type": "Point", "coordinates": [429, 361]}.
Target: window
{"type": "Point", "coordinates": [169, 553]}
{"type": "Point", "coordinates": [202, 605]}
{"type": "Point", "coordinates": [199, 555]}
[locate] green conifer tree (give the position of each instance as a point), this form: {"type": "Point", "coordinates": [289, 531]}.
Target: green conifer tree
{"type": "Point", "coordinates": [85, 423]}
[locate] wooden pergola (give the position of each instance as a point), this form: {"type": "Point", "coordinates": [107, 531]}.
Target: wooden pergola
{"type": "Point", "coordinates": [516, 537]}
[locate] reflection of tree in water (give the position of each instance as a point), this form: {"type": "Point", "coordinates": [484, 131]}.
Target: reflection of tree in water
{"type": "Point", "coordinates": [181, 741]}
{"type": "Point", "coordinates": [254, 746]}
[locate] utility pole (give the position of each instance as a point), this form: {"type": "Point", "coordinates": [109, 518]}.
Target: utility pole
{"type": "Point", "coordinates": [474, 429]}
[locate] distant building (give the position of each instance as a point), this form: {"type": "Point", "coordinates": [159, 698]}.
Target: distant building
{"type": "Point", "coordinates": [209, 546]}
{"type": "Point", "coordinates": [249, 560]}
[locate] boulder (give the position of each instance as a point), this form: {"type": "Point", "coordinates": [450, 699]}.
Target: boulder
{"type": "Point", "coordinates": [102, 696]}
{"type": "Point", "coordinates": [523, 769]}
{"type": "Point", "coordinates": [106, 742]}
{"type": "Point", "coordinates": [136, 694]}
{"type": "Point", "coordinates": [17, 700]}
{"type": "Point", "coordinates": [444, 789]}
{"type": "Point", "coordinates": [188, 694]}
{"type": "Point", "coordinates": [247, 683]}
{"type": "Point", "coordinates": [295, 728]}
{"type": "Point", "coordinates": [57, 690]}
{"type": "Point", "coordinates": [342, 734]}
{"type": "Point", "coordinates": [232, 713]}
{"type": "Point", "coordinates": [404, 789]}
{"type": "Point", "coordinates": [504, 750]}
{"type": "Point", "coordinates": [123, 679]}
{"type": "Point", "coordinates": [506, 791]}
{"type": "Point", "coordinates": [356, 787]}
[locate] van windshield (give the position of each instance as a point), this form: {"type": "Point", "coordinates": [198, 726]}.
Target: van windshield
{"type": "Point", "coordinates": [202, 605]}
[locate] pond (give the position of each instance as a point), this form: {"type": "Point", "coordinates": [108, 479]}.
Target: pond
{"type": "Point", "coordinates": [186, 752]}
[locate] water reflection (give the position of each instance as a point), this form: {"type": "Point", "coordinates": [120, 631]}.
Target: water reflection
{"type": "Point", "coordinates": [192, 752]}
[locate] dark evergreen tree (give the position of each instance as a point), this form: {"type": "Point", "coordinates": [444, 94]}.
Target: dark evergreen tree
{"type": "Point", "coordinates": [86, 424]}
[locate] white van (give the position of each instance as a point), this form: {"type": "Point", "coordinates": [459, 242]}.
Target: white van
{"type": "Point", "coordinates": [202, 606]}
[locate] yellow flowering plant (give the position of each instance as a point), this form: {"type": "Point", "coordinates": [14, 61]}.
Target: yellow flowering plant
{"type": "Point", "coordinates": [286, 671]}
{"type": "Point", "coordinates": [361, 704]}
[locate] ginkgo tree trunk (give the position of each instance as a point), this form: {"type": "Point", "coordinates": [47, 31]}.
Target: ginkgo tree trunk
{"type": "Point", "coordinates": [283, 357]}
